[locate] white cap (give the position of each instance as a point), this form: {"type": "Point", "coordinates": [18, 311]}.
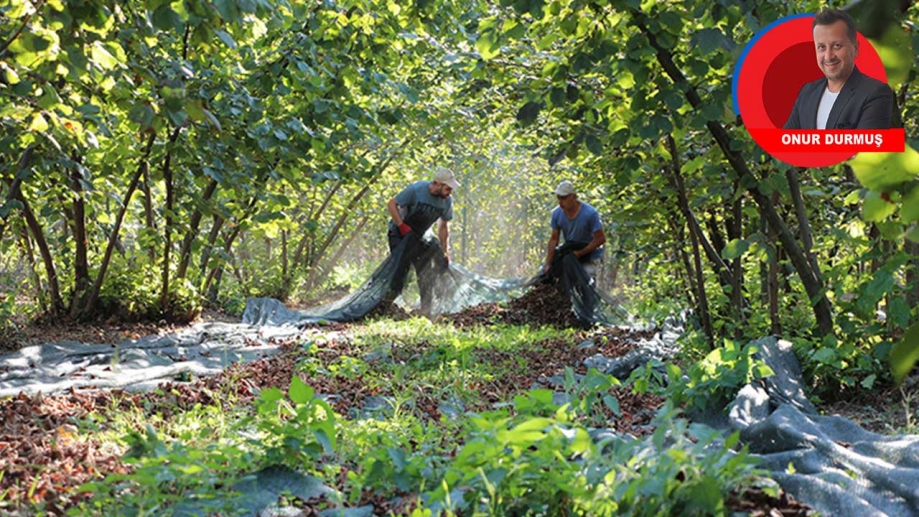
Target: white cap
{"type": "Point", "coordinates": [565, 188]}
{"type": "Point", "coordinates": [446, 177]}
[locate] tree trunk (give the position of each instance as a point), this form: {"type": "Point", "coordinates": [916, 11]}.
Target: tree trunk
{"type": "Point", "coordinates": [26, 244]}
{"type": "Point", "coordinates": [735, 229]}
{"type": "Point", "coordinates": [333, 233]}
{"type": "Point", "coordinates": [57, 303]}
{"type": "Point", "coordinates": [227, 246]}
{"type": "Point", "coordinates": [299, 259]}
{"type": "Point", "coordinates": [90, 300]}
{"type": "Point", "coordinates": [81, 280]}
{"type": "Point", "coordinates": [318, 280]}
{"type": "Point", "coordinates": [193, 224]}
{"type": "Point", "coordinates": [689, 278]}
{"type": "Point", "coordinates": [700, 293]}
{"type": "Point", "coordinates": [773, 283]}
{"type": "Point", "coordinates": [15, 184]}
{"type": "Point", "coordinates": [807, 238]}
{"type": "Point", "coordinates": [211, 240]}
{"type": "Point", "coordinates": [167, 227]}
{"type": "Point", "coordinates": [285, 274]}
{"type": "Point", "coordinates": [148, 214]}
{"type": "Point", "coordinates": [724, 272]}
{"type": "Point", "coordinates": [811, 281]}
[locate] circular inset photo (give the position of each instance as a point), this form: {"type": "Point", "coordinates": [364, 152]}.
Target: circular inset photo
{"type": "Point", "coordinates": [812, 91]}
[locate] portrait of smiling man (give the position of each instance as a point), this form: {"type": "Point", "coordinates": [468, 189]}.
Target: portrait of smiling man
{"type": "Point", "coordinates": [844, 98]}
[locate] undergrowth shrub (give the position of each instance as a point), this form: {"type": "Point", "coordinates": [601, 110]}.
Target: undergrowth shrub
{"type": "Point", "coordinates": [133, 294]}
{"type": "Point", "coordinates": [538, 461]}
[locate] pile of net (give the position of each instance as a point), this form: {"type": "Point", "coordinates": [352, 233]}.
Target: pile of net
{"type": "Point", "coordinates": [829, 462]}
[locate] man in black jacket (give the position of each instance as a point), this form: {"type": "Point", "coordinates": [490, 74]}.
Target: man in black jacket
{"type": "Point", "coordinates": [845, 98]}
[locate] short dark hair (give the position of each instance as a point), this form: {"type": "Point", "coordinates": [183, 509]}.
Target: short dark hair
{"type": "Point", "coordinates": [830, 16]}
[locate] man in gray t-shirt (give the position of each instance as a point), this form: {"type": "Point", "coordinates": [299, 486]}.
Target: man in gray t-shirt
{"type": "Point", "coordinates": [413, 211]}
{"type": "Point", "coordinates": [580, 224]}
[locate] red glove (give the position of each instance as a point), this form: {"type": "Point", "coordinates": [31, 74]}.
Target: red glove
{"type": "Point", "coordinates": [404, 229]}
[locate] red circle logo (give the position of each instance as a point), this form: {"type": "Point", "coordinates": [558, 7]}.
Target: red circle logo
{"type": "Point", "coordinates": [779, 61]}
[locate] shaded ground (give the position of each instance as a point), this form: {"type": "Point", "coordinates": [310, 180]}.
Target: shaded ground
{"type": "Point", "coordinates": [44, 457]}
{"type": "Point", "coordinates": [889, 410]}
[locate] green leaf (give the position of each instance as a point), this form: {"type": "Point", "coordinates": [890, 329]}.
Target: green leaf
{"type": "Point", "coordinates": [672, 21]}
{"type": "Point", "coordinates": [541, 395]}
{"type": "Point", "coordinates": [488, 44]}
{"type": "Point", "coordinates": [557, 97]}
{"type": "Point", "coordinates": [905, 353]}
{"type": "Point", "coordinates": [529, 431]}
{"type": "Point", "coordinates": [877, 208]}
{"type": "Point", "coordinates": [594, 145]}
{"type": "Point", "coordinates": [102, 57]}
{"type": "Point", "coordinates": [271, 394]}
{"type": "Point", "coordinates": [734, 249]}
{"type": "Point", "coordinates": [142, 114]}
{"type": "Point", "coordinates": [397, 455]}
{"type": "Point", "coordinates": [712, 112]}
{"type": "Point", "coordinates": [528, 113]}
{"type": "Point", "coordinates": [706, 495]}
{"type": "Point", "coordinates": [11, 76]}
{"type": "Point", "coordinates": [895, 50]}
{"type": "Point", "coordinates": [708, 40]}
{"type": "Point", "coordinates": [299, 392]}
{"type": "Point", "coordinates": [227, 10]}
{"type": "Point", "coordinates": [39, 124]}
{"type": "Point", "coordinates": [898, 312]}
{"type": "Point", "coordinates": [852, 197]}
{"type": "Point", "coordinates": [878, 171]}
{"type": "Point", "coordinates": [909, 212]}
{"type": "Point", "coordinates": [825, 356]}
{"type": "Point", "coordinates": [226, 38]}
{"type": "Point", "coordinates": [673, 100]}
{"type": "Point", "coordinates": [324, 439]}
{"type": "Point", "coordinates": [165, 19]}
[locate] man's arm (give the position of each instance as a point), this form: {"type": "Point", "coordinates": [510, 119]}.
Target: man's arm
{"type": "Point", "coordinates": [393, 207]}
{"type": "Point", "coordinates": [877, 111]}
{"type": "Point", "coordinates": [598, 240]}
{"type": "Point", "coordinates": [550, 250]}
{"type": "Point", "coordinates": [443, 233]}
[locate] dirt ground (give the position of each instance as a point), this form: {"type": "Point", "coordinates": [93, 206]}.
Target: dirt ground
{"type": "Point", "coordinates": [34, 430]}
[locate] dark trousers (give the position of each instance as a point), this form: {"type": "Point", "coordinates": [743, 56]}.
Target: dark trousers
{"type": "Point", "coordinates": [417, 254]}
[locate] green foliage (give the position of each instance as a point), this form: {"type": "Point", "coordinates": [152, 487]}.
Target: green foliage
{"type": "Point", "coordinates": [681, 469]}
{"type": "Point", "coordinates": [715, 380]}
{"type": "Point", "coordinates": [905, 353]}
{"type": "Point", "coordinates": [133, 294]}
{"type": "Point", "coordinates": [166, 479]}
{"type": "Point", "coordinates": [591, 398]}
{"type": "Point", "coordinates": [839, 366]}
{"type": "Point", "coordinates": [538, 462]}
{"type": "Point", "coordinates": [7, 310]}
{"type": "Point", "coordinates": [294, 431]}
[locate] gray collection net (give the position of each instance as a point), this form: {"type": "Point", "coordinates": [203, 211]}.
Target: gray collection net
{"type": "Point", "coordinates": [445, 288]}
{"type": "Point", "coordinates": [828, 462]}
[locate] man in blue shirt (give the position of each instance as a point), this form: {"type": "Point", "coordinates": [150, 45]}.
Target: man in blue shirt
{"type": "Point", "coordinates": [412, 213]}
{"type": "Point", "coordinates": [580, 224]}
